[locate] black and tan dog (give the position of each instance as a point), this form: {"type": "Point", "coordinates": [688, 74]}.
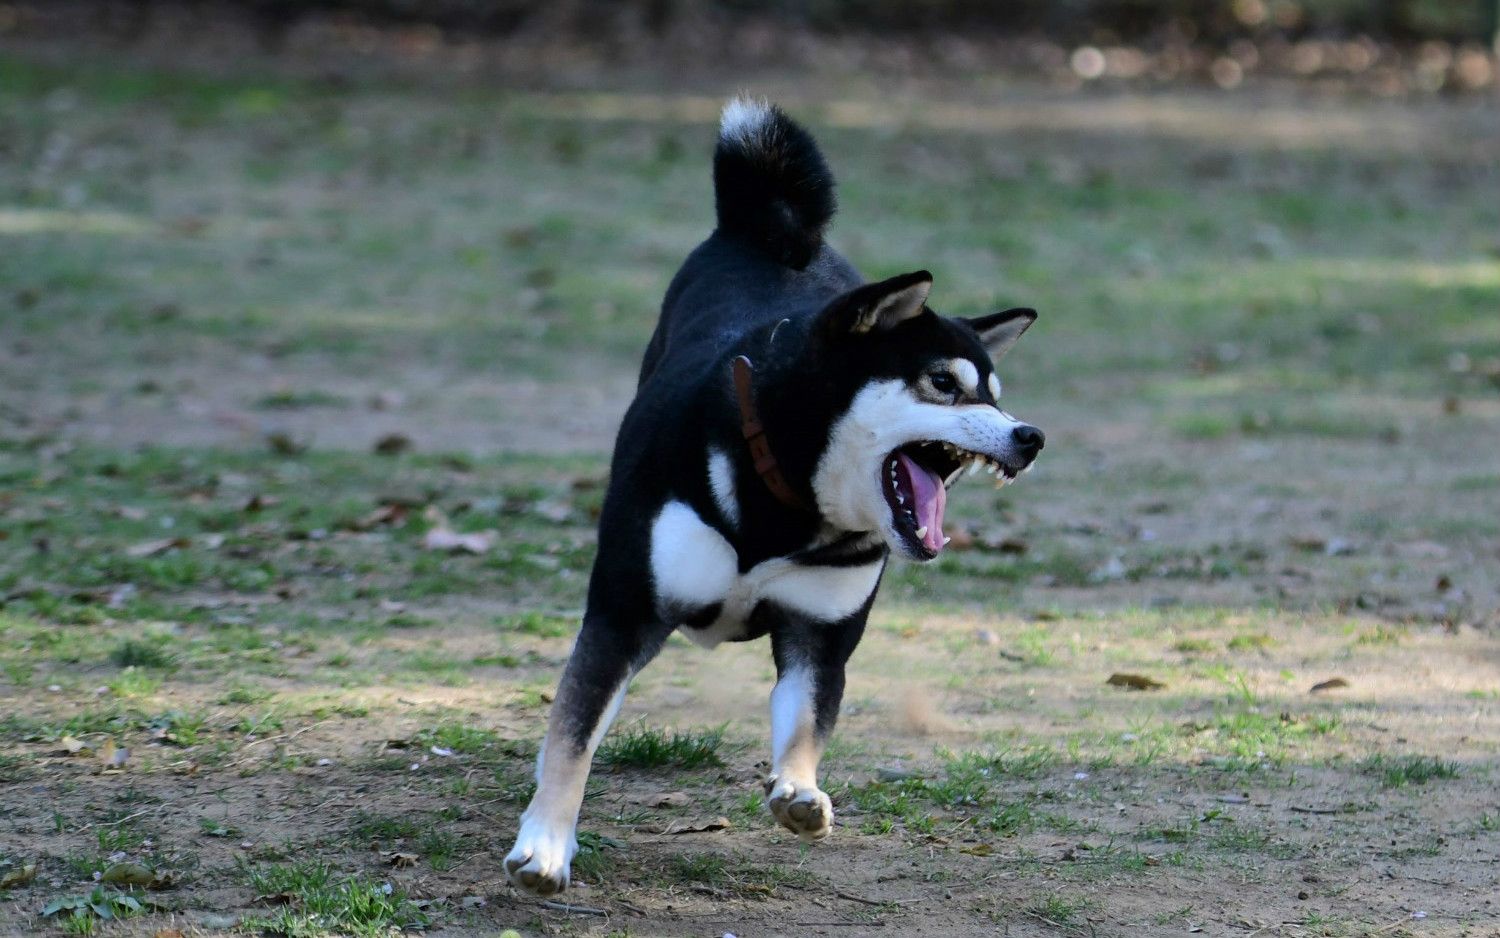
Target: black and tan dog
{"type": "Point", "coordinates": [793, 426]}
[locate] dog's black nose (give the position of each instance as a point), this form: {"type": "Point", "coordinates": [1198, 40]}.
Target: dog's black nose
{"type": "Point", "coordinates": [1029, 439]}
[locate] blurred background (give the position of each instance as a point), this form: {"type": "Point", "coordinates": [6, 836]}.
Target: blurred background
{"type": "Point", "coordinates": [317, 319]}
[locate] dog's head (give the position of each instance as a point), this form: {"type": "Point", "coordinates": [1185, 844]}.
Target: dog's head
{"type": "Point", "coordinates": [923, 407]}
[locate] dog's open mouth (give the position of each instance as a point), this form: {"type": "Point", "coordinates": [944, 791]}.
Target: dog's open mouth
{"type": "Point", "coordinates": [917, 477]}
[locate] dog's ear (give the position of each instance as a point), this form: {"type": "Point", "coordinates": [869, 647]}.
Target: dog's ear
{"type": "Point", "coordinates": [999, 331]}
{"type": "Point", "coordinates": [878, 306]}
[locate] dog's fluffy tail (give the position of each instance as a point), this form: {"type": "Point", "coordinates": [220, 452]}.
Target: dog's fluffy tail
{"type": "Point", "coordinates": [771, 186]}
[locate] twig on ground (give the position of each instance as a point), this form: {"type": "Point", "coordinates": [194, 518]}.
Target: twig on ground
{"type": "Point", "coordinates": [1274, 926]}
{"type": "Point", "coordinates": [1043, 918]}
{"type": "Point", "coordinates": [124, 820]}
{"type": "Point", "coordinates": [853, 898]}
{"type": "Point", "coordinates": [574, 909]}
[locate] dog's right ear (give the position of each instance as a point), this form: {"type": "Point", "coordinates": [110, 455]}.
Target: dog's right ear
{"type": "Point", "coordinates": [879, 306]}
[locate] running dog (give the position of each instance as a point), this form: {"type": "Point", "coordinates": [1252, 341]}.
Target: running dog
{"type": "Point", "coordinates": [793, 427]}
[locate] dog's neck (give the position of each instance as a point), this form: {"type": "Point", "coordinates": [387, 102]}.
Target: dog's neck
{"type": "Point", "coordinates": [756, 440]}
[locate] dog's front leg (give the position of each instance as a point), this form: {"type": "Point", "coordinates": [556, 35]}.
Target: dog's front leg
{"type": "Point", "coordinates": [604, 659]}
{"type": "Point", "coordinates": [810, 660]}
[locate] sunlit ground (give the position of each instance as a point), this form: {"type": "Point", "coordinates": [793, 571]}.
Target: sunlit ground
{"type": "Point", "coordinates": [1268, 365]}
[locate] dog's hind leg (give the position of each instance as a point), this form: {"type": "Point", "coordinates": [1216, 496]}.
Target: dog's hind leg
{"type": "Point", "coordinates": [810, 663]}
{"type": "Point", "coordinates": [604, 659]}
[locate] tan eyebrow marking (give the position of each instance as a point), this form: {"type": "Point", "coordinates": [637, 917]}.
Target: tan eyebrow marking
{"type": "Point", "coordinates": [966, 373]}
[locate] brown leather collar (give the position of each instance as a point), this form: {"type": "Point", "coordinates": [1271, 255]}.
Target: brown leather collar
{"type": "Point", "coordinates": [755, 438]}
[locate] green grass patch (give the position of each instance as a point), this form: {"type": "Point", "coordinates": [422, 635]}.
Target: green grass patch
{"type": "Point", "coordinates": [288, 399]}
{"type": "Point", "coordinates": [1058, 909]}
{"type": "Point", "coordinates": [136, 653]}
{"type": "Point", "coordinates": [642, 747]}
{"type": "Point", "coordinates": [1254, 641]}
{"type": "Point", "coordinates": [323, 903]}
{"type": "Point", "coordinates": [458, 738]}
{"type": "Point", "coordinates": [1401, 771]}
{"type": "Point", "coordinates": [538, 624]}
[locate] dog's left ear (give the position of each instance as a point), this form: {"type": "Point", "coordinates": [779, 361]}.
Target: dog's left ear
{"type": "Point", "coordinates": [879, 306]}
{"type": "Point", "coordinates": [999, 331]}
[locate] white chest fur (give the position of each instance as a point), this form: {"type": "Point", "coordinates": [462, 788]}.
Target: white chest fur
{"type": "Point", "coordinates": [693, 565]}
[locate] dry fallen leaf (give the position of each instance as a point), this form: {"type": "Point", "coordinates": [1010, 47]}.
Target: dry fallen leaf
{"type": "Point", "coordinates": [402, 861]}
{"type": "Point", "coordinates": [75, 746]}
{"type": "Point", "coordinates": [961, 539]}
{"type": "Point", "coordinates": [389, 513]}
{"type": "Point", "coordinates": [668, 799]}
{"type": "Point", "coordinates": [276, 898]}
{"type": "Point", "coordinates": [1333, 683]}
{"type": "Point", "coordinates": [553, 509]}
{"type": "Point", "coordinates": [113, 756]}
{"type": "Point", "coordinates": [153, 548]}
{"type": "Point", "coordinates": [119, 596]}
{"type": "Point", "coordinates": [19, 876]}
{"type": "Point", "coordinates": [446, 539]}
{"type": "Point", "coordinates": [694, 827]}
{"type": "Point", "coordinates": [1134, 681]}
{"type": "Point", "coordinates": [392, 444]}
{"type": "Point", "coordinates": [282, 443]}
{"type": "Point", "coordinates": [259, 502]}
{"type": "Point", "coordinates": [127, 874]}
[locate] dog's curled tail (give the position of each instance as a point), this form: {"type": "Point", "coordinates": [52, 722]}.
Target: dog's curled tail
{"type": "Point", "coordinates": [771, 186]}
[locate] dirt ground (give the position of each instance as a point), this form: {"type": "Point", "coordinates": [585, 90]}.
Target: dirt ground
{"type": "Point", "coordinates": [1270, 382]}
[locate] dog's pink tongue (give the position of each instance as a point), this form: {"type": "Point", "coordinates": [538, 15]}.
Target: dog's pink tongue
{"type": "Point", "coordinates": [930, 498]}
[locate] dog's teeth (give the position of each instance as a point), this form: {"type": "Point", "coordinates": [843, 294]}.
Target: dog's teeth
{"type": "Point", "coordinates": [946, 540]}
{"type": "Point", "coordinates": [922, 532]}
{"type": "Point", "coordinates": [973, 467]}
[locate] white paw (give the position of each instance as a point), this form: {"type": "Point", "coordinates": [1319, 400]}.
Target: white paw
{"type": "Point", "coordinates": [805, 811]}
{"type": "Point", "coordinates": [539, 861]}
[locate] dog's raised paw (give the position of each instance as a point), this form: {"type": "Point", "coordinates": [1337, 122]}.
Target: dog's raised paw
{"type": "Point", "coordinates": [539, 861]}
{"type": "Point", "coordinates": [803, 810]}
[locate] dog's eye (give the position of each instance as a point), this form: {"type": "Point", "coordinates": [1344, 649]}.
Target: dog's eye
{"type": "Point", "coordinates": [943, 382]}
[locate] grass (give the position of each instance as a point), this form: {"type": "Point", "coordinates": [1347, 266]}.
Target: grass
{"type": "Point", "coordinates": [642, 747]}
{"type": "Point", "coordinates": [974, 789]}
{"type": "Point", "coordinates": [733, 875]}
{"type": "Point", "coordinates": [132, 653]}
{"type": "Point", "coordinates": [321, 902]}
{"type": "Point", "coordinates": [1228, 359]}
{"type": "Point", "coordinates": [595, 860]}
{"type": "Point", "coordinates": [1057, 909]}
{"type": "Point", "coordinates": [710, 869]}
{"type": "Point", "coordinates": [459, 738]}
{"type": "Point", "coordinates": [1401, 771]}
